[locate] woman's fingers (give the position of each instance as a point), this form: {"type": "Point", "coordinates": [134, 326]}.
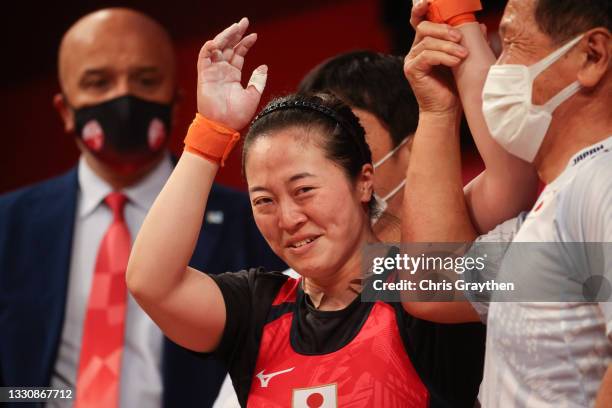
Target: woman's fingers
{"type": "Point", "coordinates": [243, 25]}
{"type": "Point", "coordinates": [241, 49]}
{"type": "Point", "coordinates": [231, 35]}
{"type": "Point", "coordinates": [234, 38]}
{"type": "Point", "coordinates": [419, 10]}
{"type": "Point", "coordinates": [436, 30]}
{"type": "Point", "coordinates": [222, 47]}
{"type": "Point", "coordinates": [226, 40]}
{"type": "Point", "coordinates": [432, 51]}
{"type": "Point", "coordinates": [258, 79]}
{"type": "Point", "coordinates": [216, 56]}
{"type": "Point", "coordinates": [211, 50]}
{"type": "Point", "coordinates": [204, 58]}
{"type": "Point", "coordinates": [435, 44]}
{"type": "Point", "coordinates": [423, 63]}
{"type": "Point", "coordinates": [221, 96]}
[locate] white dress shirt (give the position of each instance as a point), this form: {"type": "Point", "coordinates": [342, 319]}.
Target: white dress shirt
{"type": "Point", "coordinates": [141, 377]}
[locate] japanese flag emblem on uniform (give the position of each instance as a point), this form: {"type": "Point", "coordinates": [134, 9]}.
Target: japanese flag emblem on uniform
{"type": "Point", "coordinates": [324, 396]}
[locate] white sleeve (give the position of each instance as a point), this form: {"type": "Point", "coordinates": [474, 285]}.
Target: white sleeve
{"type": "Point", "coordinates": [587, 210]}
{"type": "Point", "coordinates": [227, 397]}
{"type": "Point", "coordinates": [502, 235]}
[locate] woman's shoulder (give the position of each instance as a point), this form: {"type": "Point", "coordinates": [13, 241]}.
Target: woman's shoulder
{"type": "Point", "coordinates": [253, 283]}
{"type": "Point", "coordinates": [252, 276]}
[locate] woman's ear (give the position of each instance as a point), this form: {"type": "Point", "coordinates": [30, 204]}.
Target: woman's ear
{"type": "Point", "coordinates": [365, 183]}
{"type": "Point", "coordinates": [596, 64]}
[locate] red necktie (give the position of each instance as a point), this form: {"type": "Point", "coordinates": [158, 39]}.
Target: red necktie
{"type": "Point", "coordinates": [102, 344]}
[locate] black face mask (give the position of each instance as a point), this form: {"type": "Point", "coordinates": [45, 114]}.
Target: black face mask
{"type": "Point", "coordinates": [126, 132]}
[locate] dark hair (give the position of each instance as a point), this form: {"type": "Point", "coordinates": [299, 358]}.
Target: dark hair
{"type": "Point", "coordinates": [563, 19]}
{"type": "Point", "coordinates": [342, 137]}
{"type": "Point", "coordinates": [371, 81]}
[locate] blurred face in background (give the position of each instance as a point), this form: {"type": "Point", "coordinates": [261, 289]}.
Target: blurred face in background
{"type": "Point", "coordinates": [117, 74]}
{"type": "Point", "coordinates": [390, 173]}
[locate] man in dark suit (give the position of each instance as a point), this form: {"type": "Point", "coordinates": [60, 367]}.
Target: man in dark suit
{"type": "Point", "coordinates": [117, 74]}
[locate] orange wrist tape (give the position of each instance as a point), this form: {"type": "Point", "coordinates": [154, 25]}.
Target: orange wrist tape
{"type": "Point", "coordinates": [453, 12]}
{"type": "Point", "coordinates": [210, 140]}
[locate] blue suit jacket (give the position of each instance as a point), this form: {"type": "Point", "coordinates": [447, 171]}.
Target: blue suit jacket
{"type": "Point", "coordinates": [36, 228]}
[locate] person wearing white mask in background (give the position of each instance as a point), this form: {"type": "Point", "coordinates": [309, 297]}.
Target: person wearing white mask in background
{"type": "Point", "coordinates": [547, 101]}
{"type": "Point", "coordinates": [383, 202]}
{"type": "Point", "coordinates": [374, 86]}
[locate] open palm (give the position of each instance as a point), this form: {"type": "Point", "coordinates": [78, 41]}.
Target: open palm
{"type": "Point", "coordinates": [221, 96]}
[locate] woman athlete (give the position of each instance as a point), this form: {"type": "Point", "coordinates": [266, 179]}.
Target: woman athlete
{"type": "Point", "coordinates": [303, 343]}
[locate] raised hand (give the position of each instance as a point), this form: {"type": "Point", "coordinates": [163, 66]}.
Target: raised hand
{"type": "Point", "coordinates": [435, 47]}
{"type": "Point", "coordinates": [220, 94]}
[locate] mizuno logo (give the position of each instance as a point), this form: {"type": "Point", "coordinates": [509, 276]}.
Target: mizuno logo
{"type": "Point", "coordinates": [264, 379]}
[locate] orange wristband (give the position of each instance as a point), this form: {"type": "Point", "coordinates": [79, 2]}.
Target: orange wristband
{"type": "Point", "coordinates": [453, 12]}
{"type": "Point", "coordinates": [210, 140]}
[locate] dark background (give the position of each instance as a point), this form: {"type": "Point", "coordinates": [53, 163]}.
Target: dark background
{"type": "Point", "coordinates": [293, 37]}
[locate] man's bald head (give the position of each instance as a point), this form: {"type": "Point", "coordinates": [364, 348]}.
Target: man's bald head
{"type": "Point", "coordinates": [116, 51]}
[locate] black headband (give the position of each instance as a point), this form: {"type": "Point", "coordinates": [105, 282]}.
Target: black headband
{"type": "Point", "coordinates": [306, 105]}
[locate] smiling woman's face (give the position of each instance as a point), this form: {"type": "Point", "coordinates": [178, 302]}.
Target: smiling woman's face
{"type": "Point", "coordinates": [305, 206]}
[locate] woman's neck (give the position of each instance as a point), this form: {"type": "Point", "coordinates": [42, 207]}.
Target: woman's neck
{"type": "Point", "coordinates": [337, 291]}
{"type": "Point", "coordinates": [388, 229]}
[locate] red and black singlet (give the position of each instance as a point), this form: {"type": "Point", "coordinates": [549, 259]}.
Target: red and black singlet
{"type": "Point", "coordinates": [371, 370]}
{"type": "Point", "coordinates": [282, 352]}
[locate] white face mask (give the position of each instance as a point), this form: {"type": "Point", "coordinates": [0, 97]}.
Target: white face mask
{"type": "Point", "coordinates": [381, 202]}
{"type": "Point", "coordinates": [513, 121]}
